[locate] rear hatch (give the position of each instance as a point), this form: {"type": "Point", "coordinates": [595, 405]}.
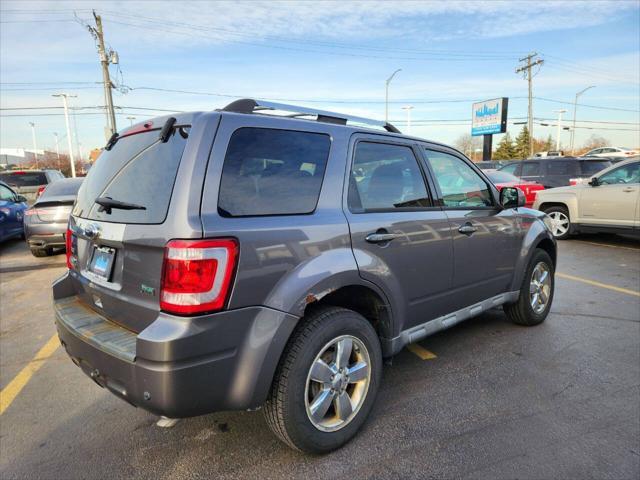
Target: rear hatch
{"type": "Point", "coordinates": [118, 245]}
{"type": "Point", "coordinates": [25, 182]}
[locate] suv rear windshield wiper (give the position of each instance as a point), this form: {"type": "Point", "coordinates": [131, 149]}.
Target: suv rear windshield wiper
{"type": "Point", "coordinates": [107, 203]}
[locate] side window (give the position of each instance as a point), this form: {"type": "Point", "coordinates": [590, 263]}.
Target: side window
{"type": "Point", "coordinates": [530, 169]}
{"type": "Point", "coordinates": [513, 169]}
{"type": "Point", "coordinates": [6, 194]}
{"type": "Point", "coordinates": [386, 177]}
{"type": "Point", "coordinates": [626, 174]}
{"type": "Point", "coordinates": [461, 186]}
{"type": "Point", "coordinates": [562, 167]}
{"type": "Point", "coordinates": [272, 172]}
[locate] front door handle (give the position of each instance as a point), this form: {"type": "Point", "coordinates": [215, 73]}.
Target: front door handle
{"type": "Point", "coordinates": [629, 189]}
{"type": "Point", "coordinates": [380, 237]}
{"type": "Point", "coordinates": [467, 229]}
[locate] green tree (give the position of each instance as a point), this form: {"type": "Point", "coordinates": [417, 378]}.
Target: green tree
{"type": "Point", "coordinates": [549, 145]}
{"type": "Point", "coordinates": [522, 143]}
{"type": "Point", "coordinates": [506, 149]}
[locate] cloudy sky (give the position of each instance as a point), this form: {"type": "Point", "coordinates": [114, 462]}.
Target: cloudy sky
{"type": "Point", "coordinates": [198, 55]}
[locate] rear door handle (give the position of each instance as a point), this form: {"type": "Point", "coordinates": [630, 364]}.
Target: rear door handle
{"type": "Point", "coordinates": [380, 237]}
{"type": "Point", "coordinates": [467, 229]}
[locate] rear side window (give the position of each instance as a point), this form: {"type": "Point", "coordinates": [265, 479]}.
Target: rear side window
{"type": "Point", "coordinates": [591, 168]}
{"type": "Point", "coordinates": [272, 172]}
{"type": "Point", "coordinates": [24, 179]}
{"type": "Point", "coordinates": [138, 169]}
{"type": "Point", "coordinates": [562, 167]}
{"type": "Point", "coordinates": [386, 177]}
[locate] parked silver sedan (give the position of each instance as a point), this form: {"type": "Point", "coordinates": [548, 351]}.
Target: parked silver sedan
{"type": "Point", "coordinates": [45, 223]}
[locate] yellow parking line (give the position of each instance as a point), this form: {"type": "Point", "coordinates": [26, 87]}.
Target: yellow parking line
{"type": "Point", "coordinates": [598, 284]}
{"type": "Point", "coordinates": [423, 353]}
{"type": "Point", "coordinates": [11, 391]}
{"type": "Point", "coordinates": [607, 245]}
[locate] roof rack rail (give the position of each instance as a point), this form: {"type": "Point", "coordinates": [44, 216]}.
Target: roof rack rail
{"type": "Point", "coordinates": [249, 105]}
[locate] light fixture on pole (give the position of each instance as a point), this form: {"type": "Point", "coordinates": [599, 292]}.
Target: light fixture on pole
{"type": "Point", "coordinates": [386, 95]}
{"type": "Point", "coordinates": [408, 109]}
{"type": "Point", "coordinates": [559, 112]}
{"type": "Point", "coordinates": [35, 145]}
{"type": "Point", "coordinates": [131, 119]}
{"type": "Point", "coordinates": [66, 119]}
{"type": "Point", "coordinates": [575, 106]}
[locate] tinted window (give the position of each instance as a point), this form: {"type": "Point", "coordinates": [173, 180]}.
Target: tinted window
{"type": "Point", "coordinates": [530, 169]}
{"type": "Point", "coordinates": [138, 169]}
{"type": "Point", "coordinates": [272, 172]}
{"type": "Point", "coordinates": [386, 177]}
{"type": "Point", "coordinates": [24, 178]}
{"type": "Point", "coordinates": [65, 187]}
{"type": "Point", "coordinates": [562, 167]}
{"type": "Point", "coordinates": [512, 169]}
{"type": "Point", "coordinates": [461, 186]}
{"type": "Point", "coordinates": [6, 194]}
{"type": "Point", "coordinates": [626, 174]}
{"type": "Point", "coordinates": [591, 168]}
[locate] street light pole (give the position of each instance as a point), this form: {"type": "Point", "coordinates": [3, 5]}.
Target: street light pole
{"type": "Point", "coordinates": [55, 134]}
{"type": "Point", "coordinates": [66, 119]}
{"type": "Point", "coordinates": [131, 119]}
{"type": "Point", "coordinates": [386, 95]}
{"type": "Point", "coordinates": [35, 145]}
{"type": "Point", "coordinates": [408, 108]}
{"type": "Point", "coordinates": [559, 112]}
{"type": "Point", "coordinates": [575, 106]}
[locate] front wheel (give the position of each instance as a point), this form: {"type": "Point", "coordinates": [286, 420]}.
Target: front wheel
{"type": "Point", "coordinates": [560, 222]}
{"type": "Point", "coordinates": [326, 382]}
{"type": "Point", "coordinates": [536, 293]}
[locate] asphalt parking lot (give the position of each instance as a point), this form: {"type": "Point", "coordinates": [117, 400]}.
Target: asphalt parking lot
{"type": "Point", "coordinates": [485, 399]}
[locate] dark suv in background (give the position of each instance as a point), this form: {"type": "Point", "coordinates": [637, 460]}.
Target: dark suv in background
{"type": "Point", "coordinates": [30, 183]}
{"type": "Point", "coordinates": [236, 259]}
{"type": "Point", "coordinates": [556, 171]}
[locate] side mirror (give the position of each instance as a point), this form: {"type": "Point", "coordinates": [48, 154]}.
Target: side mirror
{"type": "Point", "coordinates": [512, 197]}
{"type": "Point", "coordinates": [594, 182]}
{"type": "Point", "coordinates": [20, 198]}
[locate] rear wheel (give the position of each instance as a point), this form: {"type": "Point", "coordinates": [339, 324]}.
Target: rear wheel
{"type": "Point", "coordinates": [560, 220]}
{"type": "Point", "coordinates": [42, 252]}
{"type": "Point", "coordinates": [536, 293]}
{"type": "Point", "coordinates": [326, 382]}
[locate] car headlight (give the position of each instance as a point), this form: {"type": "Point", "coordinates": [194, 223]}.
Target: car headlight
{"type": "Point", "coordinates": [548, 222]}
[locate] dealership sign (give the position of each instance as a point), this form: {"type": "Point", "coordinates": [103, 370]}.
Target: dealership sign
{"type": "Point", "coordinates": [489, 117]}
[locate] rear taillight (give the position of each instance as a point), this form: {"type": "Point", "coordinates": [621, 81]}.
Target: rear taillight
{"type": "Point", "coordinates": [197, 275]}
{"type": "Point", "coordinates": [41, 190]}
{"type": "Point", "coordinates": [70, 249]}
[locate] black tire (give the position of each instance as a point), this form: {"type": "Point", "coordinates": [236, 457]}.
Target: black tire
{"type": "Point", "coordinates": [41, 252]}
{"type": "Point", "coordinates": [522, 312]}
{"type": "Point", "coordinates": [560, 211]}
{"type": "Point", "coordinates": [285, 409]}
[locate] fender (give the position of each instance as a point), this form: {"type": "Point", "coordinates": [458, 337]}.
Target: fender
{"type": "Point", "coordinates": [535, 233]}
{"type": "Point", "coordinates": [568, 199]}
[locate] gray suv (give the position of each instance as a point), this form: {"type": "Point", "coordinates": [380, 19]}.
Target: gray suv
{"type": "Point", "coordinates": [239, 259]}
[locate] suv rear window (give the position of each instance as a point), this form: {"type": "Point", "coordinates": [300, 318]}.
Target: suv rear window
{"type": "Point", "coordinates": [590, 167]}
{"type": "Point", "coordinates": [24, 179]}
{"type": "Point", "coordinates": [138, 169]}
{"type": "Point", "coordinates": [272, 172]}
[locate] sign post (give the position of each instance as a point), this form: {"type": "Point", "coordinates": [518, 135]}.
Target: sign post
{"type": "Point", "coordinates": [488, 118]}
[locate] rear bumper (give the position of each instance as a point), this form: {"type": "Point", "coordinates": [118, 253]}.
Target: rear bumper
{"type": "Point", "coordinates": [42, 235]}
{"type": "Point", "coordinates": [177, 367]}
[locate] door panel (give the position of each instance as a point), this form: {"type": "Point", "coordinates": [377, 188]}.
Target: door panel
{"type": "Point", "coordinates": [614, 201]}
{"type": "Point", "coordinates": [486, 239]}
{"type": "Point", "coordinates": [400, 240]}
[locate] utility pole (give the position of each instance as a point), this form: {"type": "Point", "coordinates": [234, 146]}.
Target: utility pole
{"type": "Point", "coordinates": [575, 106]}
{"type": "Point", "coordinates": [55, 134]}
{"type": "Point", "coordinates": [35, 145]}
{"type": "Point", "coordinates": [386, 95]}
{"type": "Point", "coordinates": [408, 109]}
{"type": "Point", "coordinates": [106, 57]}
{"type": "Point", "coordinates": [529, 77]}
{"type": "Point", "coordinates": [559, 112]}
{"type": "Point", "coordinates": [66, 119]}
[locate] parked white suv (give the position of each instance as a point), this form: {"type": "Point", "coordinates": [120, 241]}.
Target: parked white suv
{"type": "Point", "coordinates": [611, 152]}
{"type": "Point", "coordinates": [610, 202]}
